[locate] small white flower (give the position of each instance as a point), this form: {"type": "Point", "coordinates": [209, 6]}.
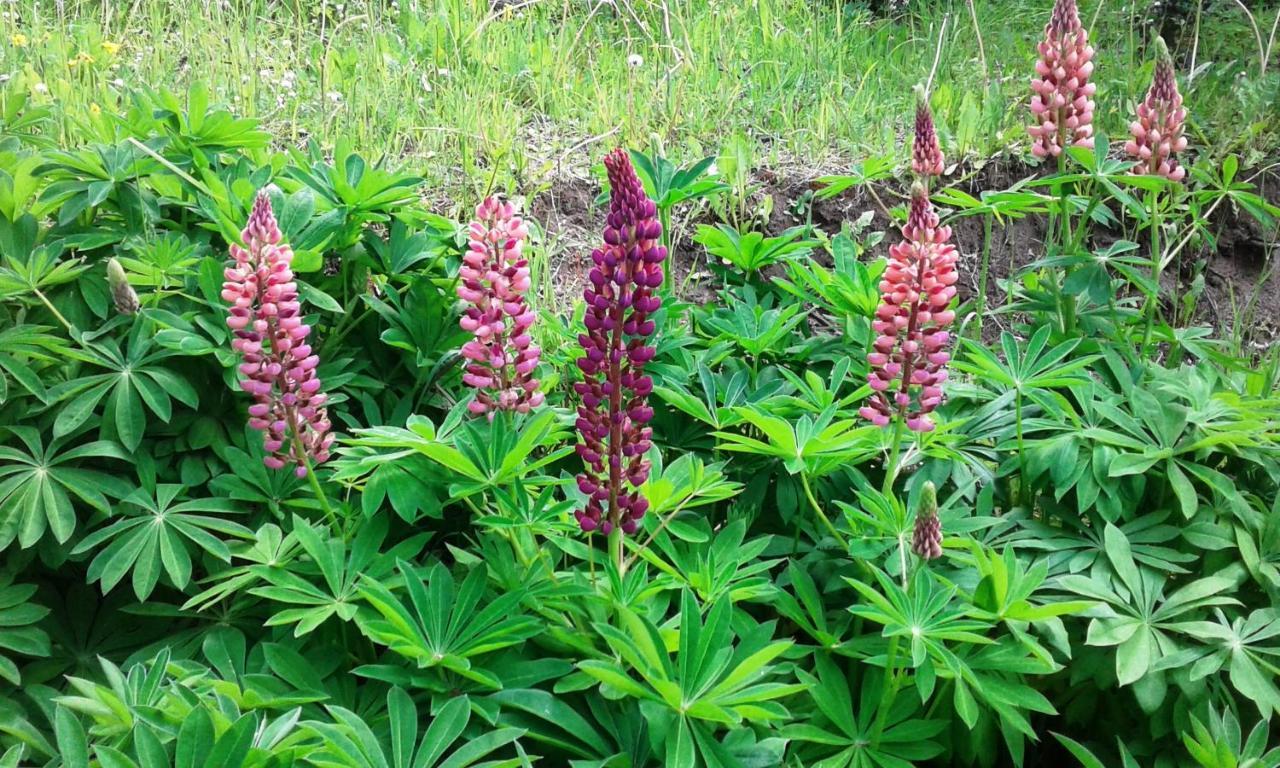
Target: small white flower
{"type": "Point", "coordinates": [6, 77]}
{"type": "Point", "coordinates": [335, 96]}
{"type": "Point", "coordinates": [443, 72]}
{"type": "Point", "coordinates": [634, 60]}
{"type": "Point", "coordinates": [118, 82]}
{"type": "Point", "coordinates": [41, 88]}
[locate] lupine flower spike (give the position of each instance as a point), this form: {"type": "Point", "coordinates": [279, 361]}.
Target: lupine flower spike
{"type": "Point", "coordinates": [494, 280]}
{"type": "Point", "coordinates": [614, 415]}
{"type": "Point", "coordinates": [122, 294]}
{"type": "Point", "coordinates": [1157, 133]}
{"type": "Point", "coordinates": [279, 369]}
{"type": "Point", "coordinates": [909, 356]}
{"type": "Point", "coordinates": [1062, 105]}
{"type": "Point", "coordinates": [926, 537]}
{"type": "Point", "coordinates": [926, 155]}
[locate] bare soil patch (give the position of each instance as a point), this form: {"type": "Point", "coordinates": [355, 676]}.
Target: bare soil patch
{"type": "Point", "coordinates": [1241, 275]}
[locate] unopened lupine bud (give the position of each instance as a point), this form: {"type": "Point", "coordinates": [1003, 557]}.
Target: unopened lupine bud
{"type": "Point", "coordinates": [621, 296]}
{"type": "Point", "coordinates": [279, 368]}
{"type": "Point", "coordinates": [1157, 132]}
{"type": "Point", "coordinates": [926, 538]}
{"type": "Point", "coordinates": [1062, 104]}
{"type": "Point", "coordinates": [122, 294]}
{"type": "Point", "coordinates": [493, 281]}
{"type": "Point", "coordinates": [909, 355]}
{"type": "Point", "coordinates": [926, 154]}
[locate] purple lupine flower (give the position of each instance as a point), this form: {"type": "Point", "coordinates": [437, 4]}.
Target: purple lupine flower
{"type": "Point", "coordinates": [926, 536]}
{"type": "Point", "coordinates": [909, 356]}
{"type": "Point", "coordinates": [1062, 106]}
{"type": "Point", "coordinates": [620, 298]}
{"type": "Point", "coordinates": [493, 281]}
{"type": "Point", "coordinates": [926, 154]}
{"type": "Point", "coordinates": [279, 368]}
{"type": "Point", "coordinates": [1157, 133]}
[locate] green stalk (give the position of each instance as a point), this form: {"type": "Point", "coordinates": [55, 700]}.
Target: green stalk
{"type": "Point", "coordinates": [891, 469]}
{"type": "Point", "coordinates": [615, 550]}
{"type": "Point", "coordinates": [71, 329]}
{"type": "Point", "coordinates": [808, 492]}
{"type": "Point", "coordinates": [1022, 460]}
{"type": "Point", "coordinates": [1153, 299]}
{"type": "Point", "coordinates": [311, 473]}
{"type": "Point", "coordinates": [888, 691]}
{"type": "Point", "coordinates": [1066, 305]}
{"type": "Point", "coordinates": [980, 301]}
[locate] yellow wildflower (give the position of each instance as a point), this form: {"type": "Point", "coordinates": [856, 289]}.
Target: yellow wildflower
{"type": "Point", "coordinates": [94, 109]}
{"type": "Point", "coordinates": [80, 58]}
{"type": "Point", "coordinates": [19, 40]}
{"type": "Point", "coordinates": [110, 48]}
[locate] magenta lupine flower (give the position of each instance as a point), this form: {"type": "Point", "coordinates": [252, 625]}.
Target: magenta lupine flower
{"type": "Point", "coordinates": [493, 281]}
{"type": "Point", "coordinates": [926, 154]}
{"type": "Point", "coordinates": [909, 356]}
{"type": "Point", "coordinates": [279, 368]}
{"type": "Point", "coordinates": [620, 298]}
{"type": "Point", "coordinates": [1063, 102]}
{"type": "Point", "coordinates": [1157, 133]}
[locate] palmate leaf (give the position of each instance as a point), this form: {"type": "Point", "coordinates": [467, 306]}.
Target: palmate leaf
{"type": "Point", "coordinates": [134, 378]}
{"type": "Point", "coordinates": [444, 626]}
{"type": "Point", "coordinates": [37, 485]}
{"type": "Point", "coordinates": [156, 533]}
{"type": "Point", "coordinates": [711, 681]}
{"type": "Point", "coordinates": [843, 733]}
{"type": "Point", "coordinates": [349, 741]}
{"type": "Point", "coordinates": [19, 633]}
{"type": "Point", "coordinates": [1143, 623]}
{"type": "Point", "coordinates": [338, 564]}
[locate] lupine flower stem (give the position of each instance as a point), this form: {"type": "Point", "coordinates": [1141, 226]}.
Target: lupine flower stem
{"type": "Point", "coordinates": [1157, 267]}
{"type": "Point", "coordinates": [888, 691]}
{"type": "Point", "coordinates": [980, 301]}
{"type": "Point", "coordinates": [895, 450]}
{"type": "Point", "coordinates": [314, 481]}
{"type": "Point", "coordinates": [817, 508]}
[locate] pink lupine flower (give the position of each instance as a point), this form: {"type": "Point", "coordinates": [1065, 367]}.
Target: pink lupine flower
{"type": "Point", "coordinates": [279, 368]}
{"type": "Point", "coordinates": [1157, 133]}
{"type": "Point", "coordinates": [909, 356]}
{"type": "Point", "coordinates": [1063, 102]}
{"type": "Point", "coordinates": [614, 415]}
{"type": "Point", "coordinates": [926, 154]}
{"type": "Point", "coordinates": [493, 281]}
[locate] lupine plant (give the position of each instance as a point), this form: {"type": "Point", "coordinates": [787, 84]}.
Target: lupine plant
{"type": "Point", "coordinates": [832, 536]}
{"type": "Point", "coordinates": [1157, 139]}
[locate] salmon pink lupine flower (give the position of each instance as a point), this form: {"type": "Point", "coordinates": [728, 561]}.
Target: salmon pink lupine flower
{"type": "Point", "coordinates": [279, 368]}
{"type": "Point", "coordinates": [493, 281]}
{"type": "Point", "coordinates": [909, 356]}
{"type": "Point", "coordinates": [1063, 102]}
{"type": "Point", "coordinates": [1157, 133]}
{"type": "Point", "coordinates": [614, 415]}
{"type": "Point", "coordinates": [926, 154]}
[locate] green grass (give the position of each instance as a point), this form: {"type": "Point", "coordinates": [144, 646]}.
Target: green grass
{"type": "Point", "coordinates": [474, 99]}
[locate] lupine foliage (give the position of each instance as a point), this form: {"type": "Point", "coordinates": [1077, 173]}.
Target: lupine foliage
{"type": "Point", "coordinates": [861, 527]}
